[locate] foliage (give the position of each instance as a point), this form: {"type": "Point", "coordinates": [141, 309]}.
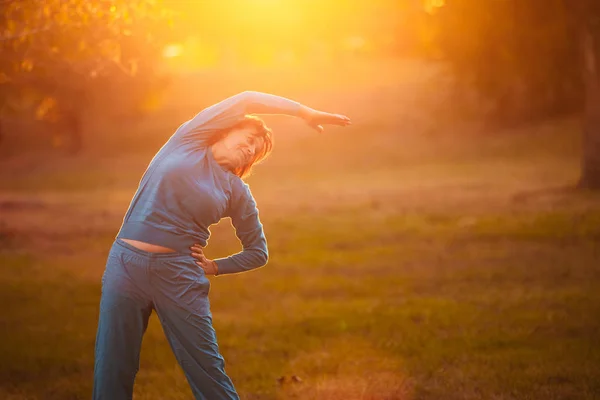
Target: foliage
{"type": "Point", "coordinates": [522, 55]}
{"type": "Point", "coordinates": [57, 53]}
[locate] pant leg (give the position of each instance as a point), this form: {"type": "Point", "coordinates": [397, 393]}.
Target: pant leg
{"type": "Point", "coordinates": [180, 292]}
{"type": "Point", "coordinates": [194, 342]}
{"type": "Point", "coordinates": [124, 313]}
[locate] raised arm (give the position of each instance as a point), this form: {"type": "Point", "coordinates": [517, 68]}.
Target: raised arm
{"type": "Point", "coordinates": [229, 111]}
{"type": "Point", "coordinates": [263, 103]}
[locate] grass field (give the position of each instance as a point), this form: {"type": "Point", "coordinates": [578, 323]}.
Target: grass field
{"type": "Point", "coordinates": [405, 264]}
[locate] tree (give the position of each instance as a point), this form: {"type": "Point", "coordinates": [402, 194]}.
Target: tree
{"type": "Point", "coordinates": [56, 52]}
{"type": "Point", "coordinates": [590, 46]}
{"type": "Point", "coordinates": [531, 59]}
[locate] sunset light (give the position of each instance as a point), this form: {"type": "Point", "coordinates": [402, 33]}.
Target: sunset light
{"type": "Point", "coordinates": [300, 199]}
{"type": "Point", "coordinates": [277, 32]}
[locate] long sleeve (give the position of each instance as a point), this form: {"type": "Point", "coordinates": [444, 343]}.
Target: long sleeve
{"type": "Point", "coordinates": [231, 110]}
{"type": "Point", "coordinates": [248, 228]}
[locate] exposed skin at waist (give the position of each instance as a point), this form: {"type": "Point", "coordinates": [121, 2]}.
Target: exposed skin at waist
{"type": "Point", "coordinates": [152, 248]}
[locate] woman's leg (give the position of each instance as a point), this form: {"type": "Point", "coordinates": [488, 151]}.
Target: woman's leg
{"type": "Point", "coordinates": [124, 313]}
{"type": "Point", "coordinates": [121, 326]}
{"type": "Point", "coordinates": [194, 342]}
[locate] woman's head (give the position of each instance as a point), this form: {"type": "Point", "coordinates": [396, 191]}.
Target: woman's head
{"type": "Point", "coordinates": [240, 147]}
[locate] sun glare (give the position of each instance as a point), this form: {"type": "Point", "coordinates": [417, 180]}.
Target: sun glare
{"type": "Point", "coordinates": [172, 50]}
{"type": "Point", "coordinates": [281, 32]}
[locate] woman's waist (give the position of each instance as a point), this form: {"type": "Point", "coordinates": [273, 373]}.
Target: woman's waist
{"type": "Point", "coordinates": [149, 247]}
{"type": "Point", "coordinates": [174, 239]}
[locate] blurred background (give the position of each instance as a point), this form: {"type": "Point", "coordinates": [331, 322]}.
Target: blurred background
{"type": "Point", "coordinates": [444, 246]}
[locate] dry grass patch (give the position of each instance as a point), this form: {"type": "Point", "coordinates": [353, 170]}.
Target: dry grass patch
{"type": "Point", "coordinates": [345, 368]}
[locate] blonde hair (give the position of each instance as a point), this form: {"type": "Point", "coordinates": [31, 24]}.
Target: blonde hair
{"type": "Point", "coordinates": [261, 130]}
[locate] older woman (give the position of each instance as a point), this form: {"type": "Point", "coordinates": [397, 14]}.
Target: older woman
{"type": "Point", "coordinates": [157, 263]}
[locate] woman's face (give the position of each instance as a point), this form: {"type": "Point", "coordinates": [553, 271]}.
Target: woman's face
{"type": "Point", "coordinates": [240, 146]}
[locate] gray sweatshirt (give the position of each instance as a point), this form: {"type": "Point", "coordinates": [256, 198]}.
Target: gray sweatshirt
{"type": "Point", "coordinates": [184, 190]}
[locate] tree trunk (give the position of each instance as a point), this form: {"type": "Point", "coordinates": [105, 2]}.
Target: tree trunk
{"type": "Point", "coordinates": [590, 175]}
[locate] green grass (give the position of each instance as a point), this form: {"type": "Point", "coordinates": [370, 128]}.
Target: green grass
{"type": "Point", "coordinates": [402, 267]}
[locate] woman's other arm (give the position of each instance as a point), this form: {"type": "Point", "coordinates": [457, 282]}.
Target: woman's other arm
{"type": "Point", "coordinates": [248, 229]}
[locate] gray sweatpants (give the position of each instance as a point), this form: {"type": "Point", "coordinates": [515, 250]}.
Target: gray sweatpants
{"type": "Point", "coordinates": [136, 282]}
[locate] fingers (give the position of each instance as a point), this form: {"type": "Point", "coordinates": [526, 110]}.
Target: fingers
{"type": "Point", "coordinates": [197, 249]}
{"type": "Point", "coordinates": [341, 120]}
{"type": "Point", "coordinates": [345, 120]}
{"type": "Point", "coordinates": [332, 119]}
{"type": "Point", "coordinates": [318, 128]}
{"type": "Point", "coordinates": [203, 262]}
{"type": "Point", "coordinates": [204, 268]}
{"type": "Point", "coordinates": [208, 266]}
{"type": "Point", "coordinates": [198, 253]}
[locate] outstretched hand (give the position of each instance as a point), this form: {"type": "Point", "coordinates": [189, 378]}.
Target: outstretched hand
{"type": "Point", "coordinates": [316, 119]}
{"type": "Point", "coordinates": [209, 266]}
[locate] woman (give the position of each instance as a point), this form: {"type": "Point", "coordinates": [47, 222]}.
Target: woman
{"type": "Point", "coordinates": [192, 182]}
